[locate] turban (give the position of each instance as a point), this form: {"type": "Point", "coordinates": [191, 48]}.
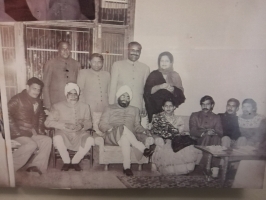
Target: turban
{"type": "Point", "coordinates": [71, 86]}
{"type": "Point", "coordinates": [124, 89]}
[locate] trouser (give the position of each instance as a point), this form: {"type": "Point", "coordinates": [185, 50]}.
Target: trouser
{"type": "Point", "coordinates": [127, 139]}
{"type": "Point", "coordinates": [62, 149]}
{"type": "Point", "coordinates": [27, 148]}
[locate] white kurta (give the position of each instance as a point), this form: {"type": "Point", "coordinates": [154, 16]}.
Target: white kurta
{"type": "Point", "coordinates": [94, 88]}
{"type": "Point", "coordinates": [133, 74]}
{"type": "Point", "coordinates": [64, 112]}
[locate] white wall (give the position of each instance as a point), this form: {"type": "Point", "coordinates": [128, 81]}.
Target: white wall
{"type": "Point", "coordinates": [219, 47]}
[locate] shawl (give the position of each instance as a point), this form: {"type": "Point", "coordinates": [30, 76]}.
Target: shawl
{"type": "Point", "coordinates": [162, 127]}
{"type": "Point", "coordinates": [154, 102]}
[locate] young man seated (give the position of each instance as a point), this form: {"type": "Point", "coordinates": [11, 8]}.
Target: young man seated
{"type": "Point", "coordinates": [26, 119]}
{"type": "Point", "coordinates": [229, 120]}
{"type": "Point", "coordinates": [121, 124]}
{"type": "Point", "coordinates": [71, 118]}
{"type": "Point", "coordinates": [205, 125]}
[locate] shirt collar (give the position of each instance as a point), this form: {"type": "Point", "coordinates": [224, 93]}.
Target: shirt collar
{"type": "Point", "coordinates": [62, 59]}
{"type": "Point", "coordinates": [202, 113]}
{"type": "Point", "coordinates": [95, 72]}
{"type": "Point", "coordinates": [130, 62]}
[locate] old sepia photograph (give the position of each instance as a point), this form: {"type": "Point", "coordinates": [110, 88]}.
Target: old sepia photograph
{"type": "Point", "coordinates": [133, 94]}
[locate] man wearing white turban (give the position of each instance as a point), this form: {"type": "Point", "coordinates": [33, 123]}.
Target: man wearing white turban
{"type": "Point", "coordinates": [121, 124]}
{"type": "Point", "coordinates": [71, 119]}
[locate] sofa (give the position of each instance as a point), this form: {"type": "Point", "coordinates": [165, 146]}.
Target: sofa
{"type": "Point", "coordinates": [185, 158]}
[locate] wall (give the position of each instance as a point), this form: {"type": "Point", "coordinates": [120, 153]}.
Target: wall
{"type": "Point", "coordinates": [218, 47]}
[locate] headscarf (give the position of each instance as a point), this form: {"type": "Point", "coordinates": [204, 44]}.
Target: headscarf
{"type": "Point", "coordinates": [172, 77]}
{"type": "Point", "coordinates": [71, 86]}
{"type": "Point", "coordinates": [122, 90]}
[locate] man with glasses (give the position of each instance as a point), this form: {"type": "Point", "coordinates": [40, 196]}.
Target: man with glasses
{"type": "Point", "coordinates": [71, 118]}
{"type": "Point", "coordinates": [205, 125]}
{"type": "Point", "coordinates": [57, 72]}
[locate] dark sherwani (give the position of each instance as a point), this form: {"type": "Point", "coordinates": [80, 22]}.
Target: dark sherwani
{"type": "Point", "coordinates": [57, 73]}
{"type": "Point", "coordinates": [230, 125]}
{"type": "Point", "coordinates": [200, 121]}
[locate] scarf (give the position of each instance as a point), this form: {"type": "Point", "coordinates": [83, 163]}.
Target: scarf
{"type": "Point", "coordinates": [172, 77]}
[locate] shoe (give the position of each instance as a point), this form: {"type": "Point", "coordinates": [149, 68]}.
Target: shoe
{"type": "Point", "coordinates": [148, 152]}
{"type": "Point", "coordinates": [76, 167]}
{"type": "Point", "coordinates": [128, 172]}
{"type": "Point", "coordinates": [34, 169]}
{"type": "Point", "coordinates": [66, 167]}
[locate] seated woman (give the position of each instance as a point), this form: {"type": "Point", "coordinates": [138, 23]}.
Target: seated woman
{"type": "Point", "coordinates": [163, 84]}
{"type": "Point", "coordinates": [165, 127]}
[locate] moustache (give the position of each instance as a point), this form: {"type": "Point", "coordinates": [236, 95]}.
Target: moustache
{"type": "Point", "coordinates": [133, 54]}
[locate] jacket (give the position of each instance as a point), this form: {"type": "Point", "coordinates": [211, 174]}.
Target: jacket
{"type": "Point", "coordinates": [22, 118]}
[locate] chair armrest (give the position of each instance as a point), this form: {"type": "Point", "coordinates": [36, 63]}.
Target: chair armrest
{"type": "Point", "coordinates": [91, 131]}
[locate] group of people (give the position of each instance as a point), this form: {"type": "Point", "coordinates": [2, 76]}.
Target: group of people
{"type": "Point", "coordinates": [80, 99]}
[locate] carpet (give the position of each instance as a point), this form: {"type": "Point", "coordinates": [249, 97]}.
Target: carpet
{"type": "Point", "coordinates": [173, 181]}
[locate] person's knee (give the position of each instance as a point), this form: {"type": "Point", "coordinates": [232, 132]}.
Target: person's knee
{"type": "Point", "coordinates": [31, 145]}
{"type": "Point", "coordinates": [226, 141]}
{"type": "Point", "coordinates": [58, 140]}
{"type": "Point", "coordinates": [159, 142]}
{"type": "Point", "coordinates": [149, 141]}
{"type": "Point", "coordinates": [90, 141]}
{"type": "Point", "coordinates": [48, 141]}
{"type": "Point", "coordinates": [241, 141]}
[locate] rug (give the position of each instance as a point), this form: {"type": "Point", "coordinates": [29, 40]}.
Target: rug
{"type": "Point", "coordinates": [173, 181]}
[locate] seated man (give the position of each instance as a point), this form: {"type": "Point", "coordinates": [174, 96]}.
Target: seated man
{"type": "Point", "coordinates": [252, 125]}
{"type": "Point", "coordinates": [26, 119]}
{"type": "Point", "coordinates": [121, 124]}
{"type": "Point", "coordinates": [71, 119]}
{"type": "Point", "coordinates": [230, 123]}
{"type": "Point", "coordinates": [205, 125]}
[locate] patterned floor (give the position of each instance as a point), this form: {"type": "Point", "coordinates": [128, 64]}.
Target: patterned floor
{"type": "Point", "coordinates": [171, 182]}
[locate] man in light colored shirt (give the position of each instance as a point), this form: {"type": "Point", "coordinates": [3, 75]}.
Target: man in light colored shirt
{"type": "Point", "coordinates": [94, 85]}
{"type": "Point", "coordinates": [71, 118]}
{"type": "Point", "coordinates": [121, 124]}
{"type": "Point", "coordinates": [130, 72]}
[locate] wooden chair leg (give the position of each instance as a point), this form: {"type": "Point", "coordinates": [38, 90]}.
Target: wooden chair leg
{"type": "Point", "coordinates": [54, 157]}
{"type": "Point", "coordinates": [91, 157]}
{"type": "Point", "coordinates": [153, 167]}
{"type": "Point", "coordinates": [140, 167]}
{"type": "Point", "coordinates": [106, 167]}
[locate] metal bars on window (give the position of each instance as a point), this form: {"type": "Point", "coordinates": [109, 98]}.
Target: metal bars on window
{"type": "Point", "coordinates": [7, 34]}
{"type": "Point", "coordinates": [41, 46]}
{"type": "Point", "coordinates": [113, 12]}
{"type": "Point", "coordinates": [112, 48]}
